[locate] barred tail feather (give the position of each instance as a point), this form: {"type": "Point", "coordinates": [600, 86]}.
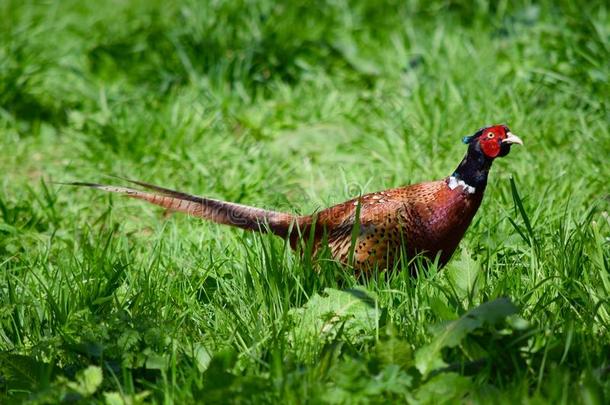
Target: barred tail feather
{"type": "Point", "coordinates": [221, 212]}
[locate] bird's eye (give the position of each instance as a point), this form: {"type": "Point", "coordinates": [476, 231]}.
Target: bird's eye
{"type": "Point", "coordinates": [490, 135]}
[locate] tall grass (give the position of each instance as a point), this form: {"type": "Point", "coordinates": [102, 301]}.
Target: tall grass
{"type": "Point", "coordinates": [297, 106]}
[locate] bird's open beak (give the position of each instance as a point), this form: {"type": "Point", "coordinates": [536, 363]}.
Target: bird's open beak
{"type": "Point", "coordinates": [512, 138]}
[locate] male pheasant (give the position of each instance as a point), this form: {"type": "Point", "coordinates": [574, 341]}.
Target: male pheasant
{"type": "Point", "coordinates": [428, 218]}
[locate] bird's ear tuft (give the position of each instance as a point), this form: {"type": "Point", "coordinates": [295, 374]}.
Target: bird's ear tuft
{"type": "Point", "coordinates": [470, 138]}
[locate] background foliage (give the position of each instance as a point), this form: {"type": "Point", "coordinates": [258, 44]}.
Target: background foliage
{"type": "Point", "coordinates": [298, 105]}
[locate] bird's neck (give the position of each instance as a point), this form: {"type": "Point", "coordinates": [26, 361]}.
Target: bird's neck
{"type": "Point", "coordinates": [473, 170]}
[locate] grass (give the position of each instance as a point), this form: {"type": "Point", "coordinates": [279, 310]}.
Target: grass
{"type": "Point", "coordinates": [297, 107]}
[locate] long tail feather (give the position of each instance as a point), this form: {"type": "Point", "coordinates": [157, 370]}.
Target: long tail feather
{"type": "Point", "coordinates": [222, 212]}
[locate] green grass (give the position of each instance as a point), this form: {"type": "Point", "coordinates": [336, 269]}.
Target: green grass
{"type": "Point", "coordinates": [294, 107]}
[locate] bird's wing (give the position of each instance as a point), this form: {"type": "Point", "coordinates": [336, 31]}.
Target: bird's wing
{"type": "Point", "coordinates": [382, 229]}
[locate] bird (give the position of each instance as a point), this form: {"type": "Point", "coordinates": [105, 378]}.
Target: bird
{"type": "Point", "coordinates": [371, 231]}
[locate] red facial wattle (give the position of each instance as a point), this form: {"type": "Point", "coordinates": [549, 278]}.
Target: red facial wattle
{"type": "Point", "coordinates": [491, 146]}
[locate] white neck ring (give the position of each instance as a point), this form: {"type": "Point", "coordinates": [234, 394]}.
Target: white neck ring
{"type": "Point", "coordinates": [454, 182]}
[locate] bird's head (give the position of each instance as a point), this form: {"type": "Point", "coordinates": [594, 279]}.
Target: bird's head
{"type": "Point", "coordinates": [493, 141]}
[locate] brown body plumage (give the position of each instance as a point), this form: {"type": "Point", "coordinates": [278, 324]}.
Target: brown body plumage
{"type": "Point", "coordinates": [428, 218]}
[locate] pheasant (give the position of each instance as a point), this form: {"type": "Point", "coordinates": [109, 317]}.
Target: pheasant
{"type": "Point", "coordinates": [370, 231]}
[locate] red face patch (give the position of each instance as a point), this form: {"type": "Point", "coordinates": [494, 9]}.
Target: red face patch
{"type": "Point", "coordinates": [491, 140]}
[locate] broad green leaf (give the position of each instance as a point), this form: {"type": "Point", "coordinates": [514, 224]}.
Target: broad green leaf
{"type": "Point", "coordinates": [117, 398]}
{"type": "Point", "coordinates": [443, 388]}
{"type": "Point", "coordinates": [465, 274]}
{"type": "Point", "coordinates": [114, 398]}
{"type": "Point", "coordinates": [202, 356]}
{"type": "Point", "coordinates": [22, 371]}
{"type": "Point", "coordinates": [87, 381]}
{"type": "Point", "coordinates": [156, 361]}
{"type": "Point", "coordinates": [429, 357]}
{"type": "Point", "coordinates": [321, 316]}
{"type": "Point", "coordinates": [392, 349]}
